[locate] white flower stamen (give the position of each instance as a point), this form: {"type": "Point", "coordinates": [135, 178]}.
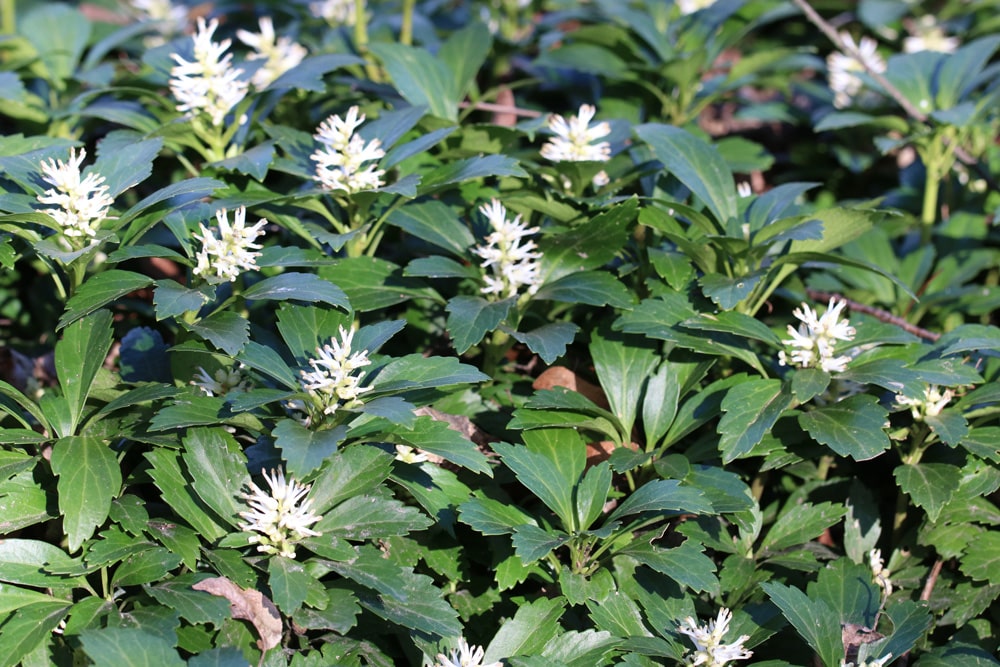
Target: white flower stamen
{"type": "Point", "coordinates": [223, 257]}
{"type": "Point", "coordinates": [334, 381]}
{"type": "Point", "coordinates": [339, 162]}
{"type": "Point", "coordinates": [279, 54]}
{"type": "Point", "coordinates": [812, 344]}
{"type": "Point", "coordinates": [281, 516]}
{"type": "Point", "coordinates": [572, 142]}
{"type": "Point", "coordinates": [82, 203]}
{"type": "Point", "coordinates": [930, 404]}
{"type": "Point", "coordinates": [709, 649]}
{"type": "Point", "coordinates": [512, 261]}
{"type": "Point", "coordinates": [464, 655]}
{"type": "Point", "coordinates": [209, 83]}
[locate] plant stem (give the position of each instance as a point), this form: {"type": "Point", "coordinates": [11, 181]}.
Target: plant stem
{"type": "Point", "coordinates": [8, 17]}
{"type": "Point", "coordinates": [406, 30]}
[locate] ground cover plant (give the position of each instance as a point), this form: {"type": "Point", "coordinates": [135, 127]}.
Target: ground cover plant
{"type": "Point", "coordinates": [499, 332]}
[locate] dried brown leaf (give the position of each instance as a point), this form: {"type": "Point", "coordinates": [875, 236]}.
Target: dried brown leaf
{"type": "Point", "coordinates": [250, 605]}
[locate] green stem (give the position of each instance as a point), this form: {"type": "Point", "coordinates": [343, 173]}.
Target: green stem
{"type": "Point", "coordinates": [8, 17]}
{"type": "Point", "coordinates": [406, 30]}
{"type": "Point", "coordinates": [361, 38]}
{"type": "Point", "coordinates": [495, 350]}
{"type": "Point", "coordinates": [932, 184]}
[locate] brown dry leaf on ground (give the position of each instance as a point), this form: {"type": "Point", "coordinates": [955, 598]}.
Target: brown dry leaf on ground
{"type": "Point", "coordinates": [560, 376]}
{"type": "Point", "coordinates": [249, 605]}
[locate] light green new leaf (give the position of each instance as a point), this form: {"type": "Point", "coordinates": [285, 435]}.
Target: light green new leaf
{"type": "Point", "coordinates": [929, 485]}
{"type": "Point", "coordinates": [89, 477]}
{"type": "Point", "coordinates": [219, 468]}
{"type": "Point", "coordinates": [812, 618]}
{"type": "Point", "coordinates": [696, 164]}
{"type": "Point", "coordinates": [534, 624]}
{"type": "Point", "coordinates": [101, 290]}
{"type": "Point", "coordinates": [750, 410]}
{"type": "Point", "coordinates": [552, 473]}
{"type": "Point", "coordinates": [129, 647]}
{"type": "Point", "coordinates": [801, 524]}
{"type": "Point", "coordinates": [464, 53]}
{"type": "Point", "coordinates": [79, 355]}
{"type": "Point", "coordinates": [852, 427]}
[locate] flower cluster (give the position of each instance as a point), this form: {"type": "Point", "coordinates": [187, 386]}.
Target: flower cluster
{"type": "Point", "coordinates": [224, 381]}
{"type": "Point", "coordinates": [879, 571]}
{"type": "Point", "coordinates": [843, 68]}
{"type": "Point", "coordinates": [209, 83]}
{"type": "Point", "coordinates": [224, 257]}
{"type": "Point", "coordinates": [339, 163]}
{"type": "Point", "coordinates": [408, 454]}
{"type": "Point", "coordinates": [930, 404]}
{"type": "Point", "coordinates": [572, 142]}
{"type": "Point", "coordinates": [279, 54]}
{"type": "Point", "coordinates": [335, 12]}
{"type": "Point", "coordinates": [709, 649]}
{"type": "Point", "coordinates": [464, 655]}
{"type": "Point", "coordinates": [280, 516]}
{"type": "Point", "coordinates": [174, 16]}
{"type": "Point", "coordinates": [512, 261]}
{"type": "Point", "coordinates": [929, 36]}
{"type": "Point", "coordinates": [333, 381]}
{"type": "Point", "coordinates": [692, 6]}
{"type": "Point", "coordinates": [811, 346]}
{"type": "Point", "coordinates": [82, 203]}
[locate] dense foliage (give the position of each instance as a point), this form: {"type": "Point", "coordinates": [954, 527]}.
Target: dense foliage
{"type": "Point", "coordinates": [499, 332]}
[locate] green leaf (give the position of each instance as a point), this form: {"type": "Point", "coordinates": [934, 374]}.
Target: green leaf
{"type": "Point", "coordinates": [800, 524]}
{"type": "Point", "coordinates": [253, 162]}
{"type": "Point", "coordinates": [618, 614]}
{"type": "Point", "coordinates": [807, 383]}
{"type": "Point", "coordinates": [28, 627]}
{"type": "Point", "coordinates": [177, 492]}
{"type": "Point", "coordinates": [852, 427]}
{"type": "Point", "coordinates": [459, 171]}
{"type": "Point", "coordinates": [735, 323]}
{"type": "Point", "coordinates": [225, 329]}
{"type": "Point", "coordinates": [950, 426]}
{"type": "Point", "coordinates": [929, 485]}
{"type": "Point", "coordinates": [696, 164]}
{"type": "Point", "coordinates": [472, 317]}
{"type": "Point", "coordinates": [193, 605]}
{"type": "Point", "coordinates": [727, 292]}
{"type": "Point", "coordinates": [813, 619]}
{"type": "Point", "coordinates": [30, 563]}
{"type": "Point", "coordinates": [350, 472]}
{"type": "Point", "coordinates": [592, 288]}
{"type": "Point", "coordinates": [421, 608]}
{"type": "Point", "coordinates": [79, 355]}
{"type": "Point", "coordinates": [14, 597]}
{"type": "Point", "coordinates": [221, 470]}
{"type": "Point", "coordinates": [266, 360]}
{"type": "Point", "coordinates": [145, 567]}
{"type": "Point", "coordinates": [189, 410]}
{"type": "Point", "coordinates": [659, 402]}
{"type": "Point", "coordinates": [290, 584]}
{"type": "Point", "coordinates": [437, 437]}
{"type": "Point", "coordinates": [663, 495]}
{"type": "Point", "coordinates": [527, 633]}
{"type": "Point", "coordinates": [548, 341]}
{"type": "Point", "coordinates": [750, 410]}
{"type": "Point", "coordinates": [441, 267]}
{"type": "Point", "coordinates": [340, 613]}
{"type": "Point", "coordinates": [981, 561]}
{"type": "Point", "coordinates": [420, 78]}
{"type": "Point", "coordinates": [172, 299]}
{"type": "Point", "coordinates": [587, 246]}
{"type": "Point", "coordinates": [129, 647]}
{"type": "Point", "coordinates": [492, 517]}
{"type": "Point", "coordinates": [59, 34]}
{"type": "Point", "coordinates": [464, 53]}
{"type": "Point", "coordinates": [686, 564]}
{"type": "Point", "coordinates": [372, 283]}
{"type": "Point", "coordinates": [303, 450]}
{"type": "Point", "coordinates": [124, 161]}
{"type": "Point", "coordinates": [436, 223]}
{"type": "Point", "coordinates": [101, 290]}
{"type": "Point", "coordinates": [369, 517]}
{"type": "Point", "coordinates": [910, 620]}
{"type": "Point", "coordinates": [89, 477]}
{"type": "Point", "coordinates": [415, 371]}
{"type": "Point", "coordinates": [306, 287]}
{"type": "Point", "coordinates": [592, 494]}
{"type": "Point", "coordinates": [623, 366]}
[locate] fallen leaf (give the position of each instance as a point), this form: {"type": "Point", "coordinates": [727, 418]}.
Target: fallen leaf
{"type": "Point", "coordinates": [250, 605]}
{"type": "Point", "coordinates": [560, 376]}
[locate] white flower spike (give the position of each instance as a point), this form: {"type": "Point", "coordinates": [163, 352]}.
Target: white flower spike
{"type": "Point", "coordinates": [223, 382]}
{"type": "Point", "coordinates": [574, 137]}
{"type": "Point", "coordinates": [333, 383]}
{"type": "Point", "coordinates": [281, 517]}
{"type": "Point", "coordinates": [929, 36]}
{"type": "Point", "coordinates": [464, 655]}
{"type": "Point", "coordinates": [339, 163]}
{"type": "Point", "coordinates": [812, 344]}
{"type": "Point", "coordinates": [224, 257]}
{"type": "Point", "coordinates": [843, 68]}
{"type": "Point", "coordinates": [335, 12]}
{"type": "Point", "coordinates": [208, 83]}
{"type": "Point", "coordinates": [512, 262]}
{"type": "Point", "coordinates": [709, 649]}
{"type": "Point", "coordinates": [930, 404]}
{"type": "Point", "coordinates": [82, 203]}
{"type": "Point", "coordinates": [279, 54]}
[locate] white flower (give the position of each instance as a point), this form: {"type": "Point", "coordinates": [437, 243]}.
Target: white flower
{"type": "Point", "coordinates": [338, 164]}
{"type": "Point", "coordinates": [464, 656]}
{"type": "Point", "coordinates": [744, 189]}
{"type": "Point", "coordinates": [812, 344]}
{"type": "Point", "coordinates": [512, 261]}
{"type": "Point", "coordinates": [279, 55]}
{"type": "Point", "coordinates": [278, 515]}
{"type": "Point", "coordinates": [161, 10]}
{"type": "Point", "coordinates": [692, 6]}
{"type": "Point", "coordinates": [709, 649]}
{"type": "Point", "coordinates": [408, 454]}
{"type": "Point", "coordinates": [930, 404]}
{"type": "Point", "coordinates": [843, 68]}
{"type": "Point", "coordinates": [224, 381]}
{"type": "Point", "coordinates": [879, 571]}
{"type": "Point", "coordinates": [574, 137]}
{"type": "Point", "coordinates": [929, 36]}
{"type": "Point", "coordinates": [208, 83]}
{"type": "Point", "coordinates": [82, 203]}
{"type": "Point", "coordinates": [336, 12]}
{"type": "Point", "coordinates": [231, 253]}
{"type": "Point", "coordinates": [600, 179]}
{"type": "Point", "coordinates": [333, 381]}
